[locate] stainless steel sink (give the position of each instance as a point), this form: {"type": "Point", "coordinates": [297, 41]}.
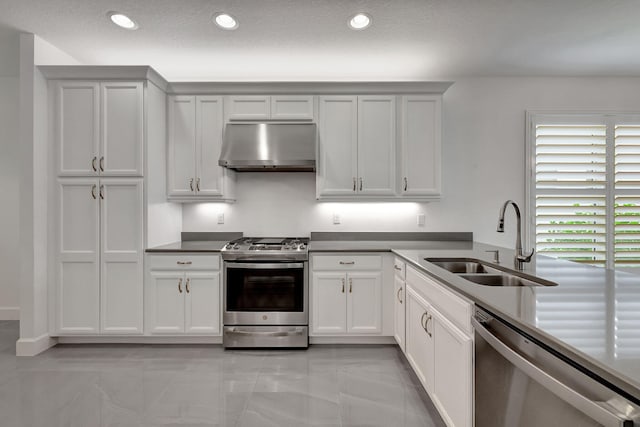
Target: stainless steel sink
{"type": "Point", "coordinates": [487, 274]}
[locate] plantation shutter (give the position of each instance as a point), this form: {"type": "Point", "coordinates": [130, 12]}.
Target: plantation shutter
{"type": "Point", "coordinates": [570, 191]}
{"type": "Point", "coordinates": [627, 196]}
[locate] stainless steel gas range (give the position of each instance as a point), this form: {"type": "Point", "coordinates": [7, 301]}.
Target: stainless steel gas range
{"type": "Point", "coordinates": [266, 292]}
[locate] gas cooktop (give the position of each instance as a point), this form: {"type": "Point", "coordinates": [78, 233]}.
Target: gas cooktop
{"type": "Point", "coordinates": [267, 248]}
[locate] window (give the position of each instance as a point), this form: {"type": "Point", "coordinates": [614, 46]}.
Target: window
{"type": "Point", "coordinates": [584, 187]}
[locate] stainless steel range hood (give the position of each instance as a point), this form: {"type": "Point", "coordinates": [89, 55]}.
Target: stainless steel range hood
{"type": "Point", "coordinates": [269, 147]}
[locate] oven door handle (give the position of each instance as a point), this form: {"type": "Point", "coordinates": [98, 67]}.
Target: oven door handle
{"type": "Point", "coordinates": [264, 265]}
{"type": "Point", "coordinates": [237, 331]}
{"type": "Point", "coordinates": [598, 411]}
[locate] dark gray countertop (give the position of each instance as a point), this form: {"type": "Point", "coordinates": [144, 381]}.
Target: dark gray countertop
{"type": "Point", "coordinates": [592, 316]}
{"type": "Point", "coordinates": [190, 246]}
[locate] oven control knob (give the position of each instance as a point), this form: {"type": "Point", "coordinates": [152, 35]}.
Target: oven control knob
{"type": "Point", "coordinates": [264, 317]}
{"type": "Point", "coordinates": [302, 246]}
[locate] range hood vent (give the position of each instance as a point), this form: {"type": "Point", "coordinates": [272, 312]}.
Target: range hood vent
{"type": "Point", "coordinates": [269, 147]}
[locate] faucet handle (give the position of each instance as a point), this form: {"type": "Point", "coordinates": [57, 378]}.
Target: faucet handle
{"type": "Point", "coordinates": [525, 258]}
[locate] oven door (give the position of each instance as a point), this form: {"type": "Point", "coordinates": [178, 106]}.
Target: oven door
{"type": "Point", "coordinates": [266, 293]}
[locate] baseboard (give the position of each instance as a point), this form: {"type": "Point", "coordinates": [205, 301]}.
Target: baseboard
{"type": "Point", "coordinates": [9, 313]}
{"type": "Point", "coordinates": [351, 340]}
{"type": "Point", "coordinates": [33, 346]}
{"type": "Point", "coordinates": [177, 339]}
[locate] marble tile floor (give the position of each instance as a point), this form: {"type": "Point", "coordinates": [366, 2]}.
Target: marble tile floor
{"type": "Point", "coordinates": [145, 385]}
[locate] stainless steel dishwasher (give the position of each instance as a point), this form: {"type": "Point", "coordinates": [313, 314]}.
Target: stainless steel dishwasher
{"type": "Point", "coordinates": [520, 382]}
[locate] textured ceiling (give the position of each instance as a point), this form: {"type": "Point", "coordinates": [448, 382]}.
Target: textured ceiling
{"type": "Point", "coordinates": [310, 40]}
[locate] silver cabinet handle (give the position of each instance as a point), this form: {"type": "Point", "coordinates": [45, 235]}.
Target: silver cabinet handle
{"type": "Point", "coordinates": [187, 285]}
{"type": "Point", "coordinates": [102, 192]}
{"type": "Point", "coordinates": [354, 183]}
{"type": "Point", "coordinates": [197, 184]}
{"type": "Point", "coordinates": [342, 286]}
{"type": "Point", "coordinates": [102, 164]}
{"type": "Point", "coordinates": [398, 295]}
{"type": "Point", "coordinates": [191, 184]}
{"type": "Point", "coordinates": [93, 164]}
{"type": "Point", "coordinates": [406, 183]}
{"type": "Point", "coordinates": [350, 285]}
{"type": "Point", "coordinates": [425, 323]}
{"type": "Point", "coordinates": [93, 191]}
{"type": "Point", "coordinates": [596, 410]}
{"type": "Point", "coordinates": [184, 262]}
{"type": "Point", "coordinates": [397, 268]}
{"type": "Point", "coordinates": [180, 286]}
{"type": "Point", "coordinates": [360, 184]}
{"type": "Point", "coordinates": [347, 262]}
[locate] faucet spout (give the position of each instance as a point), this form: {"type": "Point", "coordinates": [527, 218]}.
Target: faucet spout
{"type": "Point", "coordinates": [520, 258]}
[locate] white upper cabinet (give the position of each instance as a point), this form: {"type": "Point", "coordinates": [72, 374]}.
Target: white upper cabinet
{"type": "Point", "coordinates": [196, 125]}
{"type": "Point", "coordinates": [356, 147]}
{"type": "Point", "coordinates": [121, 143]}
{"type": "Point", "coordinates": [77, 127]}
{"type": "Point", "coordinates": [181, 160]}
{"type": "Point", "coordinates": [420, 146]}
{"type": "Point", "coordinates": [376, 145]}
{"type": "Point", "coordinates": [270, 107]}
{"type": "Point", "coordinates": [338, 142]}
{"type": "Point", "coordinates": [99, 128]}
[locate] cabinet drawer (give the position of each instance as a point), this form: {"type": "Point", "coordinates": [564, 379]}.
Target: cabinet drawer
{"type": "Point", "coordinates": [187, 261]}
{"type": "Point", "coordinates": [451, 306]}
{"type": "Point", "coordinates": [399, 268]}
{"type": "Point", "coordinates": [347, 262]}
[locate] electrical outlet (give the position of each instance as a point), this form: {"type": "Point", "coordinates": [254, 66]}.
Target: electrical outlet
{"type": "Point", "coordinates": [336, 218]}
{"type": "Point", "coordinates": [220, 218]}
{"type": "Point", "coordinates": [421, 219]}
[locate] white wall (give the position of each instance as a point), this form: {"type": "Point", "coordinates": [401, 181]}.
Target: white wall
{"type": "Point", "coordinates": [34, 181]}
{"type": "Point", "coordinates": [9, 175]}
{"type": "Point", "coordinates": [483, 165]}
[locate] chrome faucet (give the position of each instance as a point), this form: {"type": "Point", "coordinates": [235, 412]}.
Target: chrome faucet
{"type": "Point", "coordinates": [520, 258]}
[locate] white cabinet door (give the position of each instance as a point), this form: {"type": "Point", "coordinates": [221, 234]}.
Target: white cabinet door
{"type": "Point", "coordinates": [249, 107]}
{"type": "Point", "coordinates": [364, 303]}
{"type": "Point", "coordinates": [122, 129]}
{"type": "Point", "coordinates": [202, 303]}
{"type": "Point", "coordinates": [181, 173]}
{"type": "Point", "coordinates": [166, 302]}
{"type": "Point", "coordinates": [399, 311]}
{"type": "Point", "coordinates": [121, 270]}
{"type": "Point", "coordinates": [420, 146]}
{"type": "Point", "coordinates": [292, 107]}
{"type": "Point", "coordinates": [338, 145]}
{"type": "Point", "coordinates": [452, 381]}
{"type": "Point", "coordinates": [419, 339]}
{"type": "Point", "coordinates": [209, 125]}
{"type": "Point", "coordinates": [77, 128]}
{"type": "Point", "coordinates": [376, 145]}
{"type": "Point", "coordinates": [78, 276]}
{"type": "Point", "coordinates": [329, 303]}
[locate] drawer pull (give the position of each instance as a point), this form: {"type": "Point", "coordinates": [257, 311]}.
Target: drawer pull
{"type": "Point", "coordinates": [187, 285]}
{"type": "Point", "coordinates": [398, 295]}
{"type": "Point", "coordinates": [180, 286]}
{"type": "Point", "coordinates": [350, 285]}
{"type": "Point", "coordinates": [397, 268]}
{"type": "Point", "coordinates": [342, 286]}
{"type": "Point", "coordinates": [185, 262]}
{"type": "Point", "coordinates": [347, 262]}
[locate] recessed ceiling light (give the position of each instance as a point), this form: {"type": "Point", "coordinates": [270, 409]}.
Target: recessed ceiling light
{"type": "Point", "coordinates": [122, 20]}
{"type": "Point", "coordinates": [225, 21]}
{"type": "Point", "coordinates": [360, 21]}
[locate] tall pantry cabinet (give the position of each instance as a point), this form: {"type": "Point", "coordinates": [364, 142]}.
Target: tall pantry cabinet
{"type": "Point", "coordinates": [98, 229]}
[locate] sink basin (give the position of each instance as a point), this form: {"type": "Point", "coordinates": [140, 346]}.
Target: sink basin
{"type": "Point", "coordinates": [487, 274]}
{"type": "Point", "coordinates": [463, 265]}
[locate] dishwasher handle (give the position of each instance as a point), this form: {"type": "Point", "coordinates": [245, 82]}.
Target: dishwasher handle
{"type": "Point", "coordinates": [598, 411]}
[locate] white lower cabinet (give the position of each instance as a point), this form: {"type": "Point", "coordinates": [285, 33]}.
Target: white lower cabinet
{"type": "Point", "coordinates": [439, 351]}
{"type": "Point", "coordinates": [99, 256]}
{"type": "Point", "coordinates": [346, 303]}
{"type": "Point", "coordinates": [182, 301]}
{"type": "Point", "coordinates": [399, 304]}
